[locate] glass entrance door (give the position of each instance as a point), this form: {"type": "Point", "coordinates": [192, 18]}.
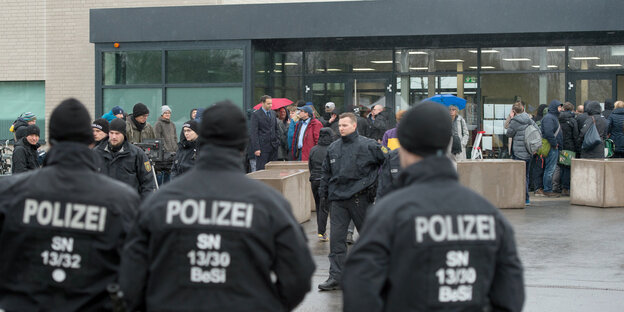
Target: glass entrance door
{"type": "Point", "coordinates": [583, 87]}
{"type": "Point", "coordinates": [349, 92]}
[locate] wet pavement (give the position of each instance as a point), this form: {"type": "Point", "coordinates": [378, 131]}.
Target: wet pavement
{"type": "Point", "coordinates": [573, 258]}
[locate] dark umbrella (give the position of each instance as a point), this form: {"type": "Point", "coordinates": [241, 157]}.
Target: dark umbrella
{"type": "Point", "coordinates": [448, 100]}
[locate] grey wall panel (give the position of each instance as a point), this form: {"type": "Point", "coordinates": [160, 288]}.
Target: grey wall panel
{"type": "Point", "coordinates": [354, 19]}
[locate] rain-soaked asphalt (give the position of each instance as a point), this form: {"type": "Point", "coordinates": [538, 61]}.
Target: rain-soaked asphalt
{"type": "Point", "coordinates": [573, 258]}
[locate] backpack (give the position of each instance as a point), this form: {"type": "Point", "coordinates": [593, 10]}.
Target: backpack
{"type": "Point", "coordinates": [532, 139]}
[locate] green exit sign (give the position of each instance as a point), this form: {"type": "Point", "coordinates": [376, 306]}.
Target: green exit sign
{"type": "Point", "coordinates": [470, 79]}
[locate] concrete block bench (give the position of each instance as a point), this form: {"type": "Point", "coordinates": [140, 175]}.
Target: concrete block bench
{"type": "Point", "coordinates": [290, 183]}
{"type": "Point", "coordinates": [302, 165]}
{"type": "Point", "coordinates": [597, 182]}
{"type": "Point", "coordinates": [501, 181]}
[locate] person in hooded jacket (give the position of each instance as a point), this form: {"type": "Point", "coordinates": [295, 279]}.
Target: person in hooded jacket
{"type": "Point", "coordinates": [125, 162]}
{"type": "Point", "coordinates": [616, 129]}
{"type": "Point", "coordinates": [537, 161]}
{"type": "Point", "coordinates": [115, 112]}
{"type": "Point", "coordinates": [593, 111]}
{"type": "Point", "coordinates": [518, 124]}
{"type": "Point", "coordinates": [24, 156]}
{"type": "Point", "coordinates": [62, 227]}
{"type": "Point", "coordinates": [315, 165]}
{"type": "Point", "coordinates": [188, 149]}
{"type": "Point", "coordinates": [608, 108]}
{"type": "Point", "coordinates": [214, 239]}
{"type": "Point", "coordinates": [137, 127]}
{"type": "Point", "coordinates": [420, 238]}
{"type": "Point", "coordinates": [570, 131]}
{"type": "Point", "coordinates": [551, 131]}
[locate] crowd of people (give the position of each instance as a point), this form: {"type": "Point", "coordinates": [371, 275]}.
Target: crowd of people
{"type": "Point", "coordinates": [75, 236]}
{"type": "Point", "coordinates": [585, 132]}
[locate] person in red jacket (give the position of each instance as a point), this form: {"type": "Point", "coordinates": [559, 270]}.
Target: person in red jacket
{"type": "Point", "coordinates": [306, 133]}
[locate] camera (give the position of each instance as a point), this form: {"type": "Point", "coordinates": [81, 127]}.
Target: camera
{"type": "Point", "coordinates": [154, 150]}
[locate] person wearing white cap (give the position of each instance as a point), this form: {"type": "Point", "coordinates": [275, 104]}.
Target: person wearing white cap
{"type": "Point", "coordinates": [165, 130]}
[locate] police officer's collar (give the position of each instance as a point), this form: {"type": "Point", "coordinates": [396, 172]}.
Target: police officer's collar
{"type": "Point", "coordinates": [351, 137]}
{"type": "Point", "coordinates": [220, 158]}
{"type": "Point", "coordinates": [71, 154]}
{"type": "Point", "coordinates": [429, 168]}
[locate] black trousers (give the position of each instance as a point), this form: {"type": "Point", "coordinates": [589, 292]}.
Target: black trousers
{"type": "Point", "coordinates": [537, 173]}
{"type": "Point", "coordinates": [322, 211]}
{"type": "Point", "coordinates": [342, 212]}
{"type": "Point", "coordinates": [265, 157]}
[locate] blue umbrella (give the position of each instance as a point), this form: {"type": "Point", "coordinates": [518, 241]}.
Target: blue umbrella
{"type": "Point", "coordinates": [448, 100]}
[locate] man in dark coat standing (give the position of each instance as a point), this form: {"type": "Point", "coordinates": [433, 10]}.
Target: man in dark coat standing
{"type": "Point", "coordinates": [315, 165]}
{"type": "Point", "coordinates": [433, 245]}
{"type": "Point", "coordinates": [616, 129]}
{"type": "Point", "coordinates": [214, 239]}
{"type": "Point", "coordinates": [551, 131]}
{"type": "Point", "coordinates": [593, 111]}
{"type": "Point", "coordinates": [264, 133]}
{"type": "Point", "coordinates": [570, 130]}
{"type": "Point", "coordinates": [62, 227]}
{"type": "Point", "coordinates": [24, 156]}
{"type": "Point", "coordinates": [125, 162]}
{"type": "Point", "coordinates": [349, 180]}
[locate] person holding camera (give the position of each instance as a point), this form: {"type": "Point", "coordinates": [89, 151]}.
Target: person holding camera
{"type": "Point", "coordinates": [125, 162]}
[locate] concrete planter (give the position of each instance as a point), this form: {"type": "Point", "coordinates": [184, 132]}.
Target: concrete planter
{"type": "Point", "coordinates": [290, 184]}
{"type": "Point", "coordinates": [301, 165]}
{"type": "Point", "coordinates": [595, 182]}
{"type": "Point", "coordinates": [501, 181]}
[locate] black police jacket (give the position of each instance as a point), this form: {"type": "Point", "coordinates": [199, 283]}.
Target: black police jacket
{"type": "Point", "coordinates": [130, 165]}
{"type": "Point", "coordinates": [62, 229]}
{"type": "Point", "coordinates": [389, 174]}
{"type": "Point", "coordinates": [24, 157]}
{"type": "Point", "coordinates": [351, 166]}
{"type": "Point", "coordinates": [211, 239]}
{"type": "Point", "coordinates": [434, 245]}
{"type": "Point", "coordinates": [185, 157]}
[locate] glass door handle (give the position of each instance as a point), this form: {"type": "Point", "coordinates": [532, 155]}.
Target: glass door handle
{"type": "Point", "coordinates": [307, 88]}
{"type": "Point", "coordinates": [389, 88]}
{"type": "Point", "coordinates": [570, 85]}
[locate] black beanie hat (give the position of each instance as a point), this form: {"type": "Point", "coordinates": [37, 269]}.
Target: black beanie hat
{"type": "Point", "coordinates": [70, 121]}
{"type": "Point", "coordinates": [139, 109]}
{"type": "Point", "coordinates": [101, 124]}
{"type": "Point", "coordinates": [425, 129]}
{"type": "Point", "coordinates": [32, 129]}
{"type": "Point", "coordinates": [118, 125]}
{"type": "Point", "coordinates": [224, 124]}
{"type": "Point", "coordinates": [193, 124]}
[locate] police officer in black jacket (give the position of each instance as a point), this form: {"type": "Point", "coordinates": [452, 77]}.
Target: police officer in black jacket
{"type": "Point", "coordinates": [62, 227]}
{"type": "Point", "coordinates": [349, 179]}
{"type": "Point", "coordinates": [125, 162]}
{"type": "Point", "coordinates": [215, 240]}
{"type": "Point", "coordinates": [188, 149]}
{"type": "Point", "coordinates": [433, 245]}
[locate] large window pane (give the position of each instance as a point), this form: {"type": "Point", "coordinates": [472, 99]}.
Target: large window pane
{"type": "Point", "coordinates": [328, 62]}
{"type": "Point", "coordinates": [18, 97]}
{"type": "Point", "coordinates": [183, 100]}
{"type": "Point", "coordinates": [432, 60]}
{"type": "Point", "coordinates": [288, 63]}
{"type": "Point", "coordinates": [127, 98]}
{"type": "Point", "coordinates": [500, 91]}
{"type": "Point", "coordinates": [205, 66]}
{"type": "Point", "coordinates": [531, 58]}
{"type": "Point", "coordinates": [596, 57]}
{"type": "Point", "coordinates": [132, 67]}
{"type": "Point", "coordinates": [286, 87]}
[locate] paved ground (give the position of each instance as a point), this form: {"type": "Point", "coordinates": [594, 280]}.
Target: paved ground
{"type": "Point", "coordinates": [573, 258]}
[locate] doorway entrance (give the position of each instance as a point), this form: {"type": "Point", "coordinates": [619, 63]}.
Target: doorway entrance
{"type": "Point", "coordinates": [348, 92]}
{"type": "Point", "coordinates": [582, 87]}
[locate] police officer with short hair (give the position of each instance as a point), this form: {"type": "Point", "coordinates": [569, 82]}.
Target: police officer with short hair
{"type": "Point", "coordinates": [349, 179]}
{"type": "Point", "coordinates": [433, 245]}
{"type": "Point", "coordinates": [61, 231]}
{"type": "Point", "coordinates": [215, 240]}
{"type": "Point", "coordinates": [123, 161]}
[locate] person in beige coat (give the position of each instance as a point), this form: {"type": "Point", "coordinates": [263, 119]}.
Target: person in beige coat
{"type": "Point", "coordinates": [137, 127]}
{"type": "Point", "coordinates": [460, 130]}
{"type": "Point", "coordinates": [165, 129]}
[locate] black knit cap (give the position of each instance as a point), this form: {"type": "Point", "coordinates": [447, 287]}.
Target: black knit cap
{"type": "Point", "coordinates": [32, 129]}
{"type": "Point", "coordinates": [118, 125]}
{"type": "Point", "coordinates": [224, 124]}
{"type": "Point", "coordinates": [101, 124]}
{"type": "Point", "coordinates": [193, 124]}
{"type": "Point", "coordinates": [70, 121]}
{"type": "Point", "coordinates": [425, 129]}
{"type": "Point", "coordinates": [139, 109]}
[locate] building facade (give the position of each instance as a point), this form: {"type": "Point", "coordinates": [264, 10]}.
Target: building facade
{"type": "Point", "coordinates": [355, 53]}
